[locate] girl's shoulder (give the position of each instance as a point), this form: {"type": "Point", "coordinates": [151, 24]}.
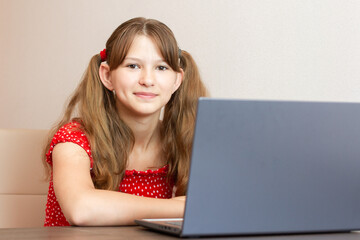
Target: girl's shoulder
{"type": "Point", "coordinates": [70, 132]}
{"type": "Point", "coordinates": [71, 129]}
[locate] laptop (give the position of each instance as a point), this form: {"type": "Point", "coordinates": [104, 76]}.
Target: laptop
{"type": "Point", "coordinates": [271, 167]}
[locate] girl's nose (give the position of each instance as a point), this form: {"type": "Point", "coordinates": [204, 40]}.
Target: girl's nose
{"type": "Point", "coordinates": [147, 78]}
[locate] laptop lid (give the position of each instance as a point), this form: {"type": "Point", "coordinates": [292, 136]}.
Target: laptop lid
{"type": "Point", "coordinates": [267, 167]}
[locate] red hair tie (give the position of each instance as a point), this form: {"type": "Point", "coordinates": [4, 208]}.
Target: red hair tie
{"type": "Point", "coordinates": [103, 55]}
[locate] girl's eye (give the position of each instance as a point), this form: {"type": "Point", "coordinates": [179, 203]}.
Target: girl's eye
{"type": "Point", "coordinates": [162, 68]}
{"type": "Point", "coordinates": [133, 66]}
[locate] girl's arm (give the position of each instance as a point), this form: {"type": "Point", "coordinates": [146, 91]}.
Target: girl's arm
{"type": "Point", "coordinates": [84, 205]}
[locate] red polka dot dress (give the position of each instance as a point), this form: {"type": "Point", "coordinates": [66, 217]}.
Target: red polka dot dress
{"type": "Point", "coordinates": [150, 183]}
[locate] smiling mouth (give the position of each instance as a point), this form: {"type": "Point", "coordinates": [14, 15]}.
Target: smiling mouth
{"type": "Point", "coordinates": [145, 95]}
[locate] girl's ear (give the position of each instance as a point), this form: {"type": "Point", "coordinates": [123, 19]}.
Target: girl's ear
{"type": "Point", "coordinates": [179, 79]}
{"type": "Point", "coordinates": [104, 73]}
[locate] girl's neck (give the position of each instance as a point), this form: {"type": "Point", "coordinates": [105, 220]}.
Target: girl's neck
{"type": "Point", "coordinates": [146, 129]}
{"type": "Point", "coordinates": [146, 133]}
{"type": "Point", "coordinates": [147, 150]}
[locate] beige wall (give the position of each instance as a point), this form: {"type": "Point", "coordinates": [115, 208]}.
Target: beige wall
{"type": "Point", "coordinates": [263, 49]}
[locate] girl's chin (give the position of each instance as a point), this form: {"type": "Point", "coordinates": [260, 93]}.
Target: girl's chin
{"type": "Point", "coordinates": [140, 108]}
{"type": "Point", "coordinates": [147, 112]}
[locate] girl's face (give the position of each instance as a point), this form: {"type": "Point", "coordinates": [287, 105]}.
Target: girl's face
{"type": "Point", "coordinates": [143, 82]}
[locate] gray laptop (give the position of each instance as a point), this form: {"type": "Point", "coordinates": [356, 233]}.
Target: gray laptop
{"type": "Point", "coordinates": [271, 167]}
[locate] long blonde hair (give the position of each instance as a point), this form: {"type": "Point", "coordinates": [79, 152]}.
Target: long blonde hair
{"type": "Point", "coordinates": [111, 140]}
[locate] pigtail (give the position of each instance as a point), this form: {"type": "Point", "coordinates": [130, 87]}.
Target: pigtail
{"type": "Point", "coordinates": [100, 119]}
{"type": "Point", "coordinates": [93, 114]}
{"type": "Point", "coordinates": [179, 122]}
{"type": "Point", "coordinates": [110, 139]}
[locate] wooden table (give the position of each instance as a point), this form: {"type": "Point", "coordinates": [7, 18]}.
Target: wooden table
{"type": "Point", "coordinates": [136, 232]}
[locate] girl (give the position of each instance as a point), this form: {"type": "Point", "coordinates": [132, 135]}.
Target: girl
{"type": "Point", "coordinates": [111, 160]}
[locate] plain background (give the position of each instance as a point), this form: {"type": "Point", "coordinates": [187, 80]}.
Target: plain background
{"type": "Point", "coordinates": [247, 49]}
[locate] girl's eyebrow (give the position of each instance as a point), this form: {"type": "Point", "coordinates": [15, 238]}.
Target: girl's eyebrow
{"type": "Point", "coordinates": [160, 60]}
{"type": "Point", "coordinates": [132, 58]}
